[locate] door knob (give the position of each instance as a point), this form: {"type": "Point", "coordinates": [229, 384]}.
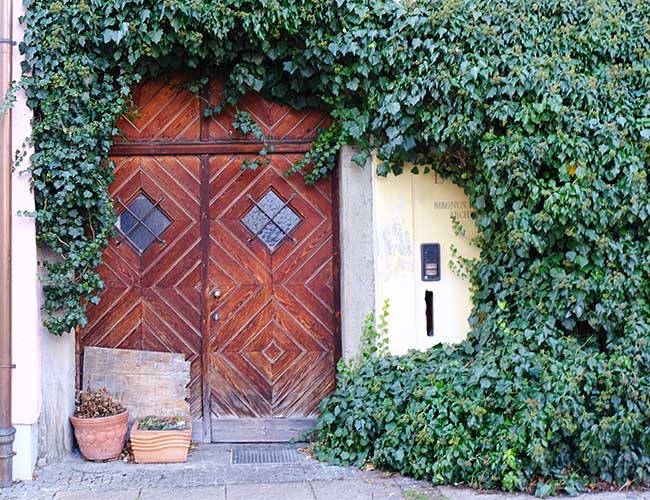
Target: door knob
{"type": "Point", "coordinates": [216, 293]}
{"type": "Point", "coordinates": [215, 316]}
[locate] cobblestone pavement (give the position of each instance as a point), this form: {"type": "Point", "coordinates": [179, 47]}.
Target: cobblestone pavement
{"type": "Point", "coordinates": [210, 474]}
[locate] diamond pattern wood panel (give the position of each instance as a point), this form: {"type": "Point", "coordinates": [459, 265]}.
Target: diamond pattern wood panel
{"type": "Point", "coordinates": [279, 122]}
{"type": "Point", "coordinates": [272, 348]}
{"type": "Point", "coordinates": [152, 301]}
{"type": "Point", "coordinates": [162, 111]}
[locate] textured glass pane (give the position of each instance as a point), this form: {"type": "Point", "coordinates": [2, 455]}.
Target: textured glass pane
{"type": "Point", "coordinates": [142, 233]}
{"type": "Point", "coordinates": [271, 232]}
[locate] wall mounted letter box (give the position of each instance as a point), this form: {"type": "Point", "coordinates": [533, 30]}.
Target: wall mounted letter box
{"type": "Point", "coordinates": [428, 302]}
{"type": "Point", "coordinates": [430, 253]}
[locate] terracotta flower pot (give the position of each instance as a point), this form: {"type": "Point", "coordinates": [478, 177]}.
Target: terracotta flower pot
{"type": "Point", "coordinates": [101, 438]}
{"type": "Point", "coordinates": [160, 446]}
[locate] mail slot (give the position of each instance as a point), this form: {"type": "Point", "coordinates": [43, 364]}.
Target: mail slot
{"type": "Point", "coordinates": [430, 253]}
{"type": "Point", "coordinates": [428, 308]}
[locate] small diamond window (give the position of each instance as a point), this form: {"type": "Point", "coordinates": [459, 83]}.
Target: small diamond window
{"type": "Point", "coordinates": [142, 222]}
{"type": "Point", "coordinates": [271, 220]}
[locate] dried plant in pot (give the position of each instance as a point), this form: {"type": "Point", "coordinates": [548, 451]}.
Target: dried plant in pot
{"type": "Point", "coordinates": [100, 425]}
{"type": "Point", "coordinates": [161, 439]}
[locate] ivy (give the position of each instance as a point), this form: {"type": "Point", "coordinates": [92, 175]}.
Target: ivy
{"type": "Point", "coordinates": [244, 123]}
{"type": "Point", "coordinates": [320, 161]}
{"type": "Point", "coordinates": [560, 417]}
{"type": "Point", "coordinates": [9, 98]}
{"type": "Point", "coordinates": [540, 111]}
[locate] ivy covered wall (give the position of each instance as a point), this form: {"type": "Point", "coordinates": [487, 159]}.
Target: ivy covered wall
{"type": "Point", "coordinates": [539, 110]}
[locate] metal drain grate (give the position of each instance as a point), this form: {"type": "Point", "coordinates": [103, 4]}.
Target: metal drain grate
{"type": "Point", "coordinates": [267, 456]}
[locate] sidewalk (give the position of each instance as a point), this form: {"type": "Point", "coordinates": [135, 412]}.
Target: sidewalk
{"type": "Point", "coordinates": [239, 472]}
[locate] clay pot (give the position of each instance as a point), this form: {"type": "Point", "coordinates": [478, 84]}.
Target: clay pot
{"type": "Point", "coordinates": [101, 438]}
{"type": "Point", "coordinates": [160, 446]}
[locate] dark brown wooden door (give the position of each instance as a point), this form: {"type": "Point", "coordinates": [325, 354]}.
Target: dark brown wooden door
{"type": "Point", "coordinates": [273, 322]}
{"type": "Point", "coordinates": [152, 294]}
{"type": "Point", "coordinates": [235, 269]}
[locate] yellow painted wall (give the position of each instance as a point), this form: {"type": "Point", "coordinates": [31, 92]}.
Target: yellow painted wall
{"type": "Point", "coordinates": [410, 210]}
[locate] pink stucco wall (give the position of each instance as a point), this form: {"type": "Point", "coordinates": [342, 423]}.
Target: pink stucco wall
{"type": "Point", "coordinates": [26, 384]}
{"type": "Point", "coordinates": [25, 332]}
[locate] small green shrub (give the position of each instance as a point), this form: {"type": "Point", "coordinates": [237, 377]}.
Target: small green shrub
{"type": "Point", "coordinates": [153, 423]}
{"type": "Point", "coordinates": [544, 419]}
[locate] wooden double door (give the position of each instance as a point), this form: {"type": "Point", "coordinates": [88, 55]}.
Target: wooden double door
{"type": "Point", "coordinates": [237, 269]}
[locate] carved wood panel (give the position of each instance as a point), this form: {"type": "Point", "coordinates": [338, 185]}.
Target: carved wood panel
{"type": "Point", "coordinates": [152, 298]}
{"type": "Point", "coordinates": [162, 111]}
{"type": "Point", "coordinates": [272, 347]}
{"type": "Point", "coordinates": [280, 123]}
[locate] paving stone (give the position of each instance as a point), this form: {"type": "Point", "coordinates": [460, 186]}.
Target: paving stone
{"type": "Point", "coordinates": [24, 494]}
{"type": "Point", "coordinates": [455, 493]}
{"type": "Point", "coordinates": [211, 493]}
{"type": "Point", "coordinates": [209, 469]}
{"type": "Point", "coordinates": [275, 491]}
{"type": "Point", "coordinates": [357, 489]}
{"type": "Point", "coordinates": [97, 495]}
{"type": "Point", "coordinates": [243, 474]}
{"type": "Point", "coordinates": [210, 454]}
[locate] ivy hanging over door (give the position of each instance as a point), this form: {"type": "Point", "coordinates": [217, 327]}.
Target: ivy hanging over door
{"type": "Point", "coordinates": [539, 110]}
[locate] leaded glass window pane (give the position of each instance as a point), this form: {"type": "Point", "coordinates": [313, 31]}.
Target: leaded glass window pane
{"type": "Point", "coordinates": [271, 220]}
{"type": "Point", "coordinates": [142, 223]}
